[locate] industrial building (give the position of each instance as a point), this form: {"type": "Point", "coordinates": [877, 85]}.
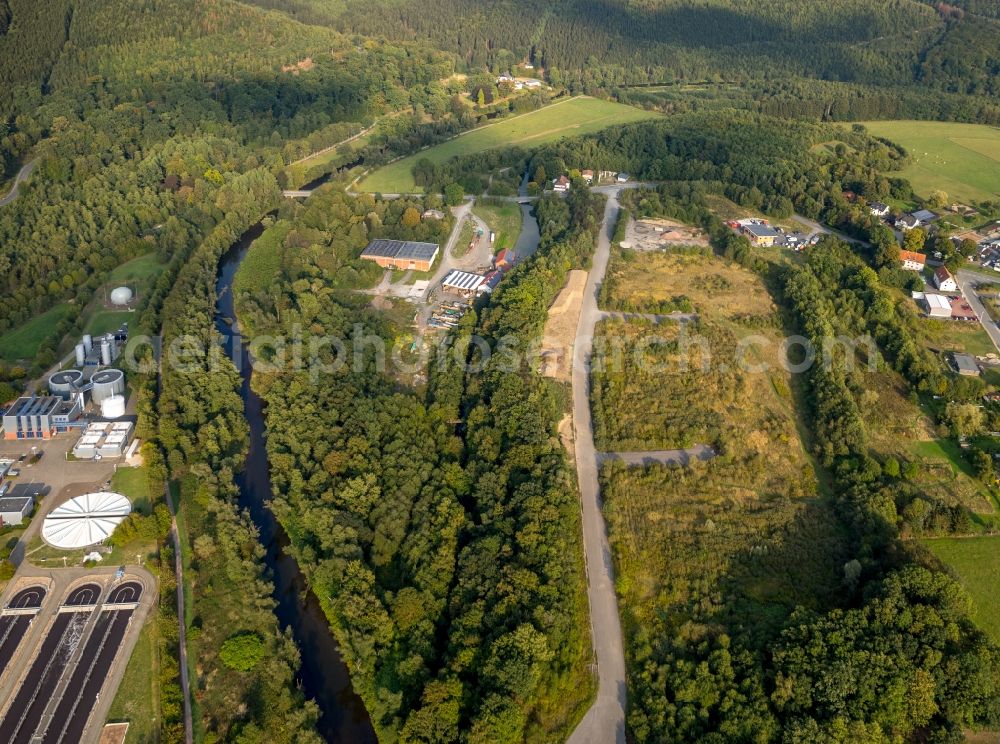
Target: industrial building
{"type": "Point", "coordinates": [42, 417]}
{"type": "Point", "coordinates": [101, 351]}
{"type": "Point", "coordinates": [937, 306]}
{"type": "Point", "coordinates": [107, 383]}
{"type": "Point", "coordinates": [103, 439]}
{"type": "Point", "coordinates": [66, 383]}
{"type": "Point", "coordinates": [463, 282]}
{"type": "Point", "coordinates": [15, 509]}
{"type": "Point", "coordinates": [763, 235]}
{"type": "Point", "coordinates": [401, 254]}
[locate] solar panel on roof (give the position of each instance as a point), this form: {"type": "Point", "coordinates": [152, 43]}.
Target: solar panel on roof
{"type": "Point", "coordinates": [401, 249]}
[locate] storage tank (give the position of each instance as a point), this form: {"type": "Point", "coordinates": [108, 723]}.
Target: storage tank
{"type": "Point", "coordinates": [105, 352]}
{"type": "Point", "coordinates": [81, 354]}
{"type": "Point", "coordinates": [121, 296]}
{"type": "Point", "coordinates": [64, 383]}
{"type": "Point", "coordinates": [113, 407]}
{"type": "Point", "coordinates": [106, 383]}
{"type": "Point", "coordinates": [88, 342]}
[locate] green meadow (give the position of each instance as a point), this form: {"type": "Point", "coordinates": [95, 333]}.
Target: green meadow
{"type": "Point", "coordinates": [960, 159]}
{"type": "Point", "coordinates": [573, 116]}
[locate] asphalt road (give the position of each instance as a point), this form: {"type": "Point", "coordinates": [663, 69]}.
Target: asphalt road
{"type": "Point", "coordinates": [22, 175]}
{"type": "Point", "coordinates": [966, 281]}
{"type": "Point", "coordinates": [604, 723]}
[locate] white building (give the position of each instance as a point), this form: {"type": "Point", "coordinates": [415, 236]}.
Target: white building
{"type": "Point", "coordinates": [944, 281]}
{"type": "Point", "coordinates": [560, 185]}
{"type": "Point", "coordinates": [912, 261]}
{"type": "Point", "coordinates": [937, 306]}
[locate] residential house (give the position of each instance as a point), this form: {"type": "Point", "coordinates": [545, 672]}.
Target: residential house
{"type": "Point", "coordinates": [944, 281]}
{"type": "Point", "coordinates": [907, 222]}
{"type": "Point", "coordinates": [878, 209]}
{"type": "Point", "coordinates": [622, 177]}
{"type": "Point", "coordinates": [587, 175]}
{"type": "Point", "coordinates": [925, 216]}
{"type": "Point", "coordinates": [912, 261]}
{"type": "Point", "coordinates": [504, 258]}
{"type": "Point", "coordinates": [560, 185]}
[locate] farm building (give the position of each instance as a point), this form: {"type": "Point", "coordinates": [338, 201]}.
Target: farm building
{"type": "Point", "coordinates": [912, 261]}
{"type": "Point", "coordinates": [401, 254]}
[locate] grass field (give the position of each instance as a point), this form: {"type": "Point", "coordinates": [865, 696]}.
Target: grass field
{"type": "Point", "coordinates": [138, 695]}
{"type": "Point", "coordinates": [960, 159]}
{"type": "Point", "coordinates": [23, 342]}
{"type": "Point", "coordinates": [574, 116]}
{"type": "Point", "coordinates": [141, 269]}
{"type": "Point", "coordinates": [263, 261]}
{"type": "Point", "coordinates": [976, 561]}
{"type": "Point", "coordinates": [504, 219]}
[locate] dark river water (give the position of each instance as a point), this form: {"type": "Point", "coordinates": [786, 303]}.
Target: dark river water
{"type": "Point", "coordinates": [324, 676]}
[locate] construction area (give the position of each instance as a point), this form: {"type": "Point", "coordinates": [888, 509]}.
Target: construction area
{"type": "Point", "coordinates": [561, 324]}
{"type": "Point", "coordinates": [661, 234]}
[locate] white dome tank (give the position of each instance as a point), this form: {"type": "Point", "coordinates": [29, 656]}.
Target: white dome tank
{"type": "Point", "coordinates": [113, 407]}
{"type": "Point", "coordinates": [121, 296]}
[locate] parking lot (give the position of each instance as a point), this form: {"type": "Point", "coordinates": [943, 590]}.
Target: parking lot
{"type": "Point", "coordinates": [51, 480]}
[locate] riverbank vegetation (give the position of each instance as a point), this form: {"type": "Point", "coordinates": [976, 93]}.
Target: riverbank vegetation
{"type": "Point", "coordinates": [203, 434]}
{"type": "Point", "coordinates": [438, 528]}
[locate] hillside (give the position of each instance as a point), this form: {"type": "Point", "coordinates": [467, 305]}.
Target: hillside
{"type": "Point", "coordinates": [895, 42]}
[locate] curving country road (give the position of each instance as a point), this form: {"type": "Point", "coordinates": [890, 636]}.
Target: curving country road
{"type": "Point", "coordinates": [22, 175]}
{"type": "Point", "coordinates": [604, 723]}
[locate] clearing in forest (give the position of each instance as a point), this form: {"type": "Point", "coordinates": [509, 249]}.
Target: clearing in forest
{"type": "Point", "coordinates": [974, 561]}
{"type": "Point", "coordinates": [570, 117]}
{"type": "Point", "coordinates": [728, 545]}
{"type": "Point", "coordinates": [962, 160]}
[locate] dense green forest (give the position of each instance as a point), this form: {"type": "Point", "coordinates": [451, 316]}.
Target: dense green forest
{"type": "Point", "coordinates": [135, 133]}
{"type": "Point", "coordinates": [440, 531]}
{"type": "Point", "coordinates": [898, 42]}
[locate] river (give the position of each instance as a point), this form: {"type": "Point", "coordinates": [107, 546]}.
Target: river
{"type": "Point", "coordinates": [323, 675]}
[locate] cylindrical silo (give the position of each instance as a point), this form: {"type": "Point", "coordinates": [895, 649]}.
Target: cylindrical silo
{"type": "Point", "coordinates": [105, 352]}
{"type": "Point", "coordinates": [106, 383]}
{"type": "Point", "coordinates": [88, 343]}
{"type": "Point", "coordinates": [65, 383]}
{"type": "Point", "coordinates": [81, 355]}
